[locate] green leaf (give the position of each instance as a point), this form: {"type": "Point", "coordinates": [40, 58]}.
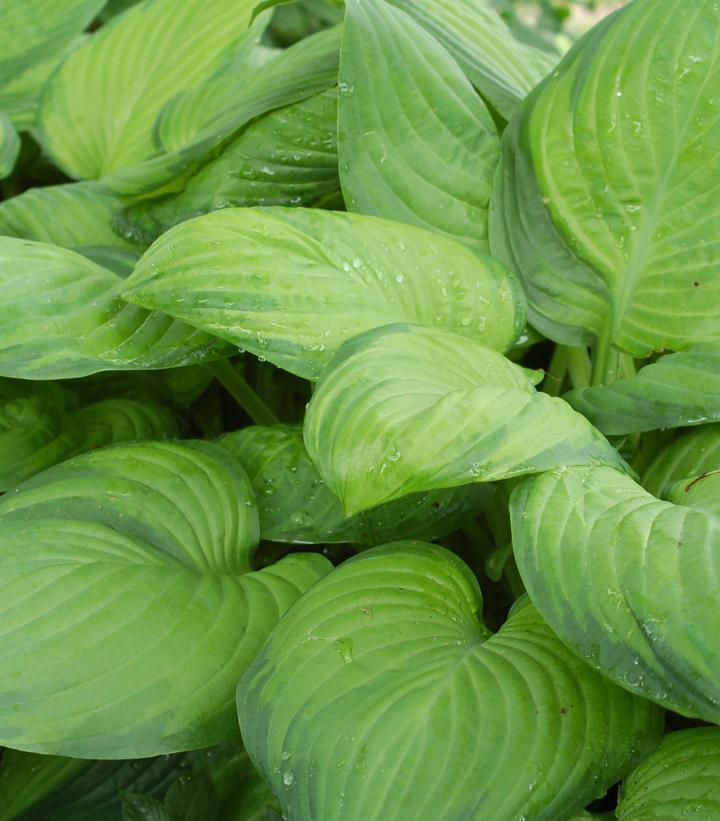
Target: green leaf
{"type": "Point", "coordinates": [9, 146]}
{"type": "Point", "coordinates": [404, 409]}
{"type": "Point", "coordinates": [305, 69]}
{"type": "Point", "coordinates": [76, 216]}
{"type": "Point", "coordinates": [417, 144]}
{"type": "Point", "coordinates": [604, 203]}
{"type": "Point", "coordinates": [34, 37]}
{"type": "Point", "coordinates": [64, 318]}
{"type": "Point", "coordinates": [128, 612]}
{"type": "Point", "coordinates": [626, 581]}
{"type": "Point", "coordinates": [677, 781]}
{"type": "Point", "coordinates": [295, 505]}
{"type": "Point", "coordinates": [502, 68]}
{"type": "Point", "coordinates": [291, 284]}
{"type": "Point", "coordinates": [117, 83]}
{"type": "Point", "coordinates": [144, 808]}
{"type": "Point", "coordinates": [382, 695]}
{"type": "Point", "coordinates": [679, 389]}
{"type": "Point", "coordinates": [693, 453]}
{"type": "Point", "coordinates": [288, 157]}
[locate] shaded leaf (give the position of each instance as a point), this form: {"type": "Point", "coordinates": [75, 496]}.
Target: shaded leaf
{"type": "Point", "coordinates": [693, 453]}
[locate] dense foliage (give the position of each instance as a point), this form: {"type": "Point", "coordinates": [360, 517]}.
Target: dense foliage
{"type": "Point", "coordinates": [359, 404]}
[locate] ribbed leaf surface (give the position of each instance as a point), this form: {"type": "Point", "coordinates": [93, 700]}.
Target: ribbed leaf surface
{"type": "Point", "coordinates": [382, 695]}
{"type": "Point", "coordinates": [405, 409]}
{"type": "Point", "coordinates": [128, 612]}
{"type": "Point", "coordinates": [9, 145]}
{"type": "Point", "coordinates": [693, 453]}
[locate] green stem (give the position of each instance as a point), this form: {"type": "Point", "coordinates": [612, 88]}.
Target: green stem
{"type": "Point", "coordinates": [243, 394]}
{"type": "Point", "coordinates": [555, 375]}
{"type": "Point", "coordinates": [601, 361]}
{"type": "Point", "coordinates": [579, 367]}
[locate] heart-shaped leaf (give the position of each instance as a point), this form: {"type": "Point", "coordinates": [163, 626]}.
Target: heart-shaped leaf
{"type": "Point", "coordinates": [679, 780]}
{"type": "Point", "coordinates": [679, 389]}
{"type": "Point", "coordinates": [34, 37]}
{"type": "Point", "coordinates": [606, 200]}
{"type": "Point", "coordinates": [128, 609]}
{"type": "Point", "coordinates": [626, 580]}
{"type": "Point", "coordinates": [295, 505]}
{"type": "Point", "coordinates": [288, 157]}
{"type": "Point", "coordinates": [292, 284]}
{"type": "Point", "coordinates": [502, 68]}
{"type": "Point", "coordinates": [64, 318]}
{"type": "Point", "coordinates": [417, 144]}
{"type": "Point", "coordinates": [382, 695]}
{"type": "Point", "coordinates": [117, 82]}
{"type": "Point", "coordinates": [404, 409]}
{"type": "Point", "coordinates": [693, 453]}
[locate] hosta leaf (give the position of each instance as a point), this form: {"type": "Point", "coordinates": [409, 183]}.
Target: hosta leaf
{"type": "Point", "coordinates": [382, 695]}
{"type": "Point", "coordinates": [128, 612]}
{"type": "Point", "coordinates": [291, 284]}
{"type": "Point", "coordinates": [117, 82]}
{"type": "Point", "coordinates": [679, 389]}
{"type": "Point", "coordinates": [502, 68]}
{"type": "Point", "coordinates": [605, 201]}
{"type": "Point", "coordinates": [74, 789]}
{"type": "Point", "coordinates": [693, 453]}
{"type": "Point", "coordinates": [295, 505]}
{"type": "Point", "coordinates": [9, 146]}
{"type": "Point", "coordinates": [75, 216]}
{"type": "Point", "coordinates": [34, 36]}
{"type": "Point", "coordinates": [417, 144]}
{"type": "Point", "coordinates": [64, 318]}
{"type": "Point", "coordinates": [404, 409]}
{"type": "Point", "coordinates": [306, 68]}
{"type": "Point", "coordinates": [289, 157]}
{"type": "Point", "coordinates": [626, 580]}
{"type": "Point", "coordinates": [681, 779]}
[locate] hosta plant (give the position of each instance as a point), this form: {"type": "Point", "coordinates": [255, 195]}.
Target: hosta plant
{"type": "Point", "coordinates": [359, 411]}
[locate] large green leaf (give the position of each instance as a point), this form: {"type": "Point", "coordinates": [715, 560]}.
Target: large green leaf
{"type": "Point", "coordinates": [693, 453]}
{"type": "Point", "coordinates": [73, 789]}
{"type": "Point", "coordinates": [295, 505]}
{"type": "Point", "coordinates": [64, 317]}
{"type": "Point", "coordinates": [416, 142]}
{"type": "Point", "coordinates": [128, 608]}
{"type": "Point", "coordinates": [76, 216]}
{"type": "Point", "coordinates": [306, 68]}
{"type": "Point", "coordinates": [679, 389]}
{"type": "Point", "coordinates": [291, 284]}
{"type": "Point", "coordinates": [605, 203]}
{"type": "Point", "coordinates": [34, 37]}
{"type": "Point", "coordinates": [288, 157]}
{"type": "Point", "coordinates": [382, 695]}
{"type": "Point", "coordinates": [9, 146]}
{"type": "Point", "coordinates": [502, 68]}
{"type": "Point", "coordinates": [405, 409]}
{"type": "Point", "coordinates": [116, 84]}
{"type": "Point", "coordinates": [679, 780]}
{"type": "Point", "coordinates": [626, 580]}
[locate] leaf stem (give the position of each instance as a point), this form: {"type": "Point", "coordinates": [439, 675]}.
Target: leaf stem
{"type": "Point", "coordinates": [238, 387]}
{"type": "Point", "coordinates": [555, 375]}
{"type": "Point", "coordinates": [579, 367]}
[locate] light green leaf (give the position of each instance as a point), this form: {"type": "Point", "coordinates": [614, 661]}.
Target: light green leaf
{"type": "Point", "coordinates": [76, 216]}
{"type": "Point", "coordinates": [626, 580]}
{"type": "Point", "coordinates": [64, 318]}
{"type": "Point", "coordinates": [9, 146]}
{"type": "Point", "coordinates": [693, 453]}
{"type": "Point", "coordinates": [117, 83]}
{"type": "Point", "coordinates": [295, 505]}
{"type": "Point", "coordinates": [288, 157]}
{"type": "Point", "coordinates": [34, 37]}
{"type": "Point", "coordinates": [679, 780]}
{"type": "Point", "coordinates": [605, 203]}
{"type": "Point", "coordinates": [404, 409]}
{"type": "Point", "coordinates": [306, 68]}
{"type": "Point", "coordinates": [291, 284]}
{"type": "Point", "coordinates": [502, 68]}
{"type": "Point", "coordinates": [679, 389]}
{"type": "Point", "coordinates": [382, 695]}
{"type": "Point", "coordinates": [128, 612]}
{"type": "Point", "coordinates": [417, 144]}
